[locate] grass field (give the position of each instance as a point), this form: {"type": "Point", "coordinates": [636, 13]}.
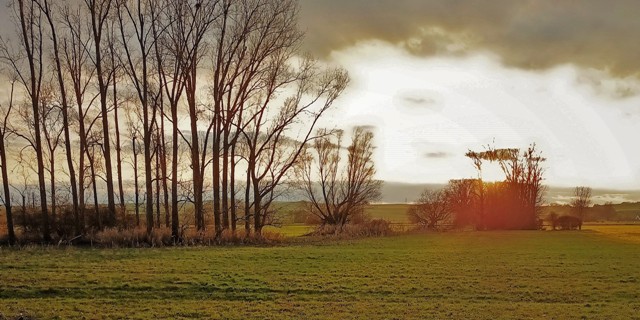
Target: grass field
{"type": "Point", "coordinates": [480, 275]}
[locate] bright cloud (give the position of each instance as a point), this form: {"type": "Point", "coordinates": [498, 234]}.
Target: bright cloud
{"type": "Point", "coordinates": [429, 111]}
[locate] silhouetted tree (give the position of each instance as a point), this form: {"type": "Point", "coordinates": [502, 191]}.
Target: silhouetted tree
{"type": "Point", "coordinates": [462, 197]}
{"type": "Point", "coordinates": [581, 201]}
{"type": "Point", "coordinates": [99, 13]}
{"type": "Point", "coordinates": [136, 19]}
{"type": "Point", "coordinates": [28, 19]}
{"type": "Point", "coordinates": [515, 202]}
{"type": "Point", "coordinates": [339, 188]}
{"type": "Point", "coordinates": [48, 11]}
{"type": "Point", "coordinates": [553, 219]}
{"type": "Point", "coordinates": [431, 210]}
{"type": "Point", "coordinates": [5, 113]}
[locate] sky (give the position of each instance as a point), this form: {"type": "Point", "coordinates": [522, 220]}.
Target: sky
{"type": "Point", "coordinates": [436, 78]}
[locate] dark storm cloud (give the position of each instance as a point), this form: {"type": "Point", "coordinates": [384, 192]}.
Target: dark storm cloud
{"type": "Point", "coordinates": [530, 34]}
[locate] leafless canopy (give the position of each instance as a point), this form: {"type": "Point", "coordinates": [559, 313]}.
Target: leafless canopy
{"type": "Point", "coordinates": [338, 188]}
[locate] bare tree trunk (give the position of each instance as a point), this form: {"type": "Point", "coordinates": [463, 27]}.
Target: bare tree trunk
{"type": "Point", "coordinates": [175, 219]}
{"type": "Point", "coordinates": [216, 174]}
{"type": "Point", "coordinates": [96, 204]}
{"type": "Point", "coordinates": [195, 148]}
{"type": "Point", "coordinates": [157, 151]}
{"type": "Point", "coordinates": [99, 14]}
{"type": "Point", "coordinates": [5, 185]}
{"type": "Point", "coordinates": [257, 208]}
{"type": "Point", "coordinates": [247, 204]}
{"type": "Point", "coordinates": [147, 168]}
{"type": "Point", "coordinates": [52, 163]}
{"type": "Point", "coordinates": [5, 175]}
{"type": "Point", "coordinates": [135, 181]}
{"type": "Point", "coordinates": [232, 189]}
{"type": "Point", "coordinates": [163, 166]}
{"type": "Point", "coordinates": [32, 45]}
{"type": "Point", "coordinates": [118, 144]}
{"type": "Point", "coordinates": [79, 217]}
{"type": "Point", "coordinates": [142, 17]}
{"type": "Point", "coordinates": [225, 182]}
{"type": "Point", "coordinates": [44, 6]}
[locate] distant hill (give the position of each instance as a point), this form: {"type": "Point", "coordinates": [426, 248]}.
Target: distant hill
{"type": "Point", "coordinates": [399, 192]}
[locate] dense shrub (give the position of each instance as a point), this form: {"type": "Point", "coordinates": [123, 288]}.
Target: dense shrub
{"type": "Point", "coordinates": [370, 228]}
{"type": "Point", "coordinates": [161, 237]}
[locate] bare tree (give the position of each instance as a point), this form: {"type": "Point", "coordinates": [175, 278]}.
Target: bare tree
{"type": "Point", "coordinates": [198, 19]}
{"type": "Point", "coordinates": [47, 10]}
{"type": "Point", "coordinates": [179, 32]}
{"type": "Point", "coordinates": [80, 72]}
{"type": "Point", "coordinates": [23, 170]}
{"type": "Point", "coordinates": [99, 12]}
{"type": "Point", "coordinates": [342, 189]}
{"type": "Point", "coordinates": [271, 153]}
{"type": "Point", "coordinates": [170, 50]}
{"type": "Point", "coordinates": [431, 210]}
{"type": "Point", "coordinates": [581, 201]}
{"type": "Point", "coordinates": [134, 134]}
{"type": "Point", "coordinates": [29, 26]}
{"type": "Point", "coordinates": [93, 155]}
{"type": "Point", "coordinates": [116, 76]}
{"type": "Point", "coordinates": [52, 130]}
{"type": "Point", "coordinates": [137, 18]}
{"type": "Point", "coordinates": [267, 126]}
{"type": "Point", "coordinates": [531, 183]}
{"type": "Point", "coordinates": [4, 134]}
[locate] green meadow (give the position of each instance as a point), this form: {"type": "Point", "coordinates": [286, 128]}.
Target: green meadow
{"type": "Point", "coordinates": [589, 274]}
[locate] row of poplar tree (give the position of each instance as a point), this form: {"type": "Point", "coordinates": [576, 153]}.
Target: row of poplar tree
{"type": "Point", "coordinates": [213, 97]}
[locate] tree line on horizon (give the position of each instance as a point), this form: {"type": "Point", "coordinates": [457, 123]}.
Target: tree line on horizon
{"type": "Point", "coordinates": [194, 97]}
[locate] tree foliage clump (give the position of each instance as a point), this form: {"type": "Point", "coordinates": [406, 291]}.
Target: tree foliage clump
{"type": "Point", "coordinates": [513, 203]}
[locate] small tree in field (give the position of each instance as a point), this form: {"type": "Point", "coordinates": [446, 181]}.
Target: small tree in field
{"type": "Point", "coordinates": [553, 219]}
{"type": "Point", "coordinates": [581, 201]}
{"type": "Point", "coordinates": [338, 190]}
{"type": "Point", "coordinates": [431, 210]}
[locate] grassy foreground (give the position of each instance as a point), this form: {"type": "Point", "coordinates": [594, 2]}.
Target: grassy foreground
{"type": "Point", "coordinates": [479, 275]}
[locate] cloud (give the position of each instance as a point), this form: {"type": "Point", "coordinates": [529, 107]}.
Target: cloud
{"type": "Point", "coordinates": [418, 99]}
{"type": "Point", "coordinates": [437, 155]}
{"type": "Point", "coordinates": [528, 34]}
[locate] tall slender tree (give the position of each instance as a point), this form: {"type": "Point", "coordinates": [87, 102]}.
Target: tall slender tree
{"type": "Point", "coordinates": [99, 11]}
{"type": "Point", "coordinates": [137, 18]}
{"type": "Point", "coordinates": [31, 51]}
{"type": "Point", "coordinates": [4, 134]}
{"type": "Point", "coordinates": [48, 11]}
{"type": "Point", "coordinates": [80, 73]}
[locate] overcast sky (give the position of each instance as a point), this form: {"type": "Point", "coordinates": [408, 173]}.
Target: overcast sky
{"type": "Point", "coordinates": [436, 78]}
{"type": "Point", "coordinates": [439, 77]}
